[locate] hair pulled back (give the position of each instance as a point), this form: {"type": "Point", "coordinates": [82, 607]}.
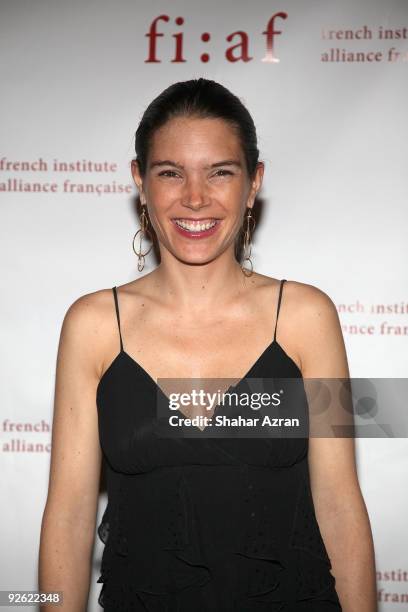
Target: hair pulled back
{"type": "Point", "coordinates": [200, 98]}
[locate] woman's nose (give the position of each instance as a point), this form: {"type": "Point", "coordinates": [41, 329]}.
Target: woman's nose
{"type": "Point", "coordinates": [195, 196]}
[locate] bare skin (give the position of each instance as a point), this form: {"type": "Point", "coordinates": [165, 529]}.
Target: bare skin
{"type": "Point", "coordinates": [198, 307]}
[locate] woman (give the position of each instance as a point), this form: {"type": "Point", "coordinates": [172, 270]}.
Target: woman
{"type": "Point", "coordinates": [200, 523]}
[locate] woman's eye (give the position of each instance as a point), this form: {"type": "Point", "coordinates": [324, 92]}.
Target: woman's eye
{"type": "Point", "coordinates": [225, 171]}
{"type": "Point", "coordinates": [167, 172]}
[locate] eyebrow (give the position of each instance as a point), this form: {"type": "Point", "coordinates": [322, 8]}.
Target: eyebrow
{"type": "Point", "coordinates": [169, 162]}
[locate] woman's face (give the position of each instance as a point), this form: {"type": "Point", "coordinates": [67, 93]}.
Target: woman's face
{"type": "Point", "coordinates": [196, 187]}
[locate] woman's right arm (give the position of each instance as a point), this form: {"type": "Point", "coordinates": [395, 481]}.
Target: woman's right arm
{"type": "Point", "coordinates": [69, 519]}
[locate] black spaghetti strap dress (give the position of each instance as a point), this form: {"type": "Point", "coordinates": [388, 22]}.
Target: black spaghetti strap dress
{"type": "Point", "coordinates": [203, 524]}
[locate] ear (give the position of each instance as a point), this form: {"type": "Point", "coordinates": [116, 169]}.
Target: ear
{"type": "Point", "coordinates": [134, 165]}
{"type": "Point", "coordinates": [256, 184]}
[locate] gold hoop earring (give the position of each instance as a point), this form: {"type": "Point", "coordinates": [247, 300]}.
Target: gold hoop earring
{"type": "Point", "coordinates": [143, 231]}
{"type": "Point", "coordinates": [247, 243]}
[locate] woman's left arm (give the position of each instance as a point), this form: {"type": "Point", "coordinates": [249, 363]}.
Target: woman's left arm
{"type": "Point", "coordinates": [340, 508]}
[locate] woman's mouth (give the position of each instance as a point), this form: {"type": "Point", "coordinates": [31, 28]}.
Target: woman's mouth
{"type": "Point", "coordinates": [196, 228]}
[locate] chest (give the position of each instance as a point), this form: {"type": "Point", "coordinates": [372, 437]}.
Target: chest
{"type": "Point", "coordinates": [220, 349]}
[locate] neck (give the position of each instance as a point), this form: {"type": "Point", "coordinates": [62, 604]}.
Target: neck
{"type": "Point", "coordinates": [199, 287]}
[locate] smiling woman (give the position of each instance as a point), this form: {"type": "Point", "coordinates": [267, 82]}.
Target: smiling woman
{"type": "Point", "coordinates": [231, 523]}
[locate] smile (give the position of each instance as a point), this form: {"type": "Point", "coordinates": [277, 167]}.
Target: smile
{"type": "Point", "coordinates": [195, 226]}
{"type": "Point", "coordinates": [193, 229]}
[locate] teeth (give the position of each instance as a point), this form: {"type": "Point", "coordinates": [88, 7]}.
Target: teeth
{"type": "Point", "coordinates": [193, 226]}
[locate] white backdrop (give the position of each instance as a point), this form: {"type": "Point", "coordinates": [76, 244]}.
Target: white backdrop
{"type": "Point", "coordinates": [75, 81]}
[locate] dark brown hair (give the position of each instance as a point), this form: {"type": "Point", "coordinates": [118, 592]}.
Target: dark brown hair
{"type": "Point", "coordinates": [201, 98]}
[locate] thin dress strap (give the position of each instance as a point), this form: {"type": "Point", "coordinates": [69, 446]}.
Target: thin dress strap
{"type": "Point", "coordinates": [279, 303]}
{"type": "Point", "coordinates": [115, 295]}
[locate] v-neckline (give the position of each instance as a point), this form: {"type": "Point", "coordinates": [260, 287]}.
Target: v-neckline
{"type": "Point", "coordinates": [152, 381]}
{"type": "Point", "coordinates": [217, 407]}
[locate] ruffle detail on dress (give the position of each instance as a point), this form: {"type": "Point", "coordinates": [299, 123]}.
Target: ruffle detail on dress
{"type": "Point", "coordinates": [173, 561]}
{"type": "Point", "coordinates": [309, 559]}
{"type": "Point", "coordinates": [312, 580]}
{"type": "Point", "coordinates": [155, 561]}
{"type": "Point", "coordinates": [306, 534]}
{"type": "Point", "coordinates": [103, 531]}
{"type": "Point", "coordinates": [110, 533]}
{"type": "Point", "coordinates": [178, 536]}
{"type": "Point", "coordinates": [272, 579]}
{"type": "Point", "coordinates": [260, 563]}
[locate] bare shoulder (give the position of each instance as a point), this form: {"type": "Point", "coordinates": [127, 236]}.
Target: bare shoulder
{"type": "Point", "coordinates": [84, 328]}
{"type": "Point", "coordinates": [86, 313]}
{"type": "Point", "coordinates": [301, 303]}
{"type": "Point", "coordinates": [92, 326]}
{"type": "Point", "coordinates": [316, 330]}
{"type": "Point", "coordinates": [96, 306]}
{"type": "Point", "coordinates": [296, 294]}
{"type": "Point", "coordinates": [309, 301]}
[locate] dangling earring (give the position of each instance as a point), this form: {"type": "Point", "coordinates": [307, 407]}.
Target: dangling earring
{"type": "Point", "coordinates": [143, 231]}
{"type": "Point", "coordinates": [247, 243]}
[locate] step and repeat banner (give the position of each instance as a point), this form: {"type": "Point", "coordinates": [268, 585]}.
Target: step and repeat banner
{"type": "Point", "coordinates": [327, 86]}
